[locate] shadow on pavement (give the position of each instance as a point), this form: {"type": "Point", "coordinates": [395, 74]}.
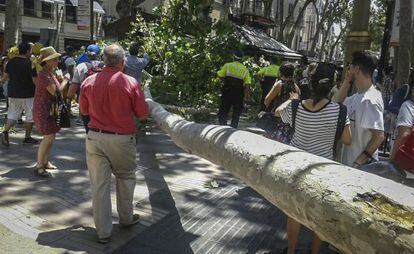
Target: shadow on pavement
{"type": "Point", "coordinates": [152, 240]}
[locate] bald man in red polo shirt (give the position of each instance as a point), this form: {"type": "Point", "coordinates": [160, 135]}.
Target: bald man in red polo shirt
{"type": "Point", "coordinates": [112, 99]}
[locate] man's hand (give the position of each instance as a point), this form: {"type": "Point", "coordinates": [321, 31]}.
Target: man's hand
{"type": "Point", "coordinates": [343, 91]}
{"type": "Point", "coordinates": [373, 145]}
{"type": "Point", "coordinates": [349, 75]}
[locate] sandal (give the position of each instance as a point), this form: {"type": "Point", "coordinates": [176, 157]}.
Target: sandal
{"type": "Point", "coordinates": [49, 165]}
{"type": "Point", "coordinates": [41, 172]}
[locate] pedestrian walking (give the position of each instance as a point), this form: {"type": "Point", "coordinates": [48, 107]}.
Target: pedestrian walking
{"type": "Point", "coordinates": [365, 110]}
{"type": "Point", "coordinates": [47, 87]}
{"type": "Point", "coordinates": [236, 79]}
{"type": "Point", "coordinates": [21, 77]}
{"type": "Point", "coordinates": [318, 124]}
{"type": "Point", "coordinates": [91, 66]}
{"type": "Point", "coordinates": [12, 53]}
{"type": "Point", "coordinates": [400, 168]}
{"type": "Point", "coordinates": [112, 99]}
{"type": "Point", "coordinates": [134, 64]}
{"type": "Point", "coordinates": [268, 76]}
{"type": "Point", "coordinates": [67, 61]}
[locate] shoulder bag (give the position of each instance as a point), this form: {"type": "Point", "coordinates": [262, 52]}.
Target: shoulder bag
{"type": "Point", "coordinates": [59, 111]}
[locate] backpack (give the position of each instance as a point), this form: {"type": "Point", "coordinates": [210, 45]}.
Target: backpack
{"type": "Point", "coordinates": [404, 157]}
{"type": "Point", "coordinates": [62, 66]}
{"type": "Point", "coordinates": [340, 126]}
{"type": "Point", "coordinates": [93, 69]}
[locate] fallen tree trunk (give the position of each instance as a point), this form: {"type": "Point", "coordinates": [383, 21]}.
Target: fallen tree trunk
{"type": "Point", "coordinates": [355, 211]}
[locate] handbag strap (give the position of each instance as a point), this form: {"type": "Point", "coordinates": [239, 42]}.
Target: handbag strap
{"type": "Point", "coordinates": [295, 106]}
{"type": "Point", "coordinates": [340, 126]}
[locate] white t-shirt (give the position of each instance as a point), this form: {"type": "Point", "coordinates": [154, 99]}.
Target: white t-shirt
{"type": "Point", "coordinates": [365, 111]}
{"type": "Point", "coordinates": [406, 115]}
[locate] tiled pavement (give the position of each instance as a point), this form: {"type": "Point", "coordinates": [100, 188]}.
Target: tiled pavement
{"type": "Point", "coordinates": [179, 214]}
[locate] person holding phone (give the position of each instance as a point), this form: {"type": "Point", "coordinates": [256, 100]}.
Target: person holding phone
{"type": "Point", "coordinates": [365, 110]}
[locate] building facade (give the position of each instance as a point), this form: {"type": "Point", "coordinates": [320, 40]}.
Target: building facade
{"type": "Point", "coordinates": [54, 22]}
{"type": "Point", "coordinates": [271, 15]}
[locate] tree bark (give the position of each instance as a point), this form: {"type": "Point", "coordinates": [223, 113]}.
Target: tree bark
{"type": "Point", "coordinates": [325, 38]}
{"type": "Point", "coordinates": [358, 37]}
{"type": "Point", "coordinates": [268, 8]}
{"type": "Point", "coordinates": [281, 36]}
{"type": "Point", "coordinates": [333, 46]}
{"type": "Point", "coordinates": [404, 48]}
{"type": "Point", "coordinates": [319, 26]}
{"type": "Point", "coordinates": [12, 24]}
{"type": "Point", "coordinates": [292, 31]}
{"type": "Point", "coordinates": [355, 211]}
{"type": "Point", "coordinates": [412, 42]}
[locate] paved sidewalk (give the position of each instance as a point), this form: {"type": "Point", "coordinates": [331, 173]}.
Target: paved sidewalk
{"type": "Point", "coordinates": [179, 214]}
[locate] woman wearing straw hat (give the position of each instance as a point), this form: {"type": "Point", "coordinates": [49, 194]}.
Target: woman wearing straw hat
{"type": "Point", "coordinates": [46, 87]}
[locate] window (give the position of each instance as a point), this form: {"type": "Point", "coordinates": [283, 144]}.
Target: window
{"type": "Point", "coordinates": [28, 7]}
{"type": "Point", "coordinates": [46, 10]}
{"type": "Point", "coordinates": [2, 5]}
{"type": "Point", "coordinates": [71, 14]}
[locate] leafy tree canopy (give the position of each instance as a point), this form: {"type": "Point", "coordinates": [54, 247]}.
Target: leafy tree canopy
{"type": "Point", "coordinates": [377, 23]}
{"type": "Point", "coordinates": [187, 48]}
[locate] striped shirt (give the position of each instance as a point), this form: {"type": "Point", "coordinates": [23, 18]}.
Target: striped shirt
{"type": "Point", "coordinates": [314, 130]}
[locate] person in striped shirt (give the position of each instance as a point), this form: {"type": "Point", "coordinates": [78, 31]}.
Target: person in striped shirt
{"type": "Point", "coordinates": [317, 128]}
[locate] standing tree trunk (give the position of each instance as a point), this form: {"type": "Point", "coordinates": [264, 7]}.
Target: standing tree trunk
{"type": "Point", "coordinates": [281, 36]}
{"type": "Point", "coordinates": [281, 14]}
{"type": "Point", "coordinates": [325, 36]}
{"type": "Point", "coordinates": [319, 26]}
{"type": "Point", "coordinates": [333, 46]}
{"type": "Point", "coordinates": [292, 31]}
{"type": "Point", "coordinates": [12, 24]}
{"type": "Point", "coordinates": [412, 41]}
{"type": "Point", "coordinates": [268, 8]}
{"type": "Point", "coordinates": [404, 48]}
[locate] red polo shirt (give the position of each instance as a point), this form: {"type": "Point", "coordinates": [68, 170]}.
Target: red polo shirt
{"type": "Point", "coordinates": [111, 99]}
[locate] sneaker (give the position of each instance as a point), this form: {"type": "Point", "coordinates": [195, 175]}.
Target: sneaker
{"type": "Point", "coordinates": [30, 141]}
{"type": "Point", "coordinates": [5, 139]}
{"type": "Point", "coordinates": [135, 220]}
{"type": "Point", "coordinates": [104, 240]}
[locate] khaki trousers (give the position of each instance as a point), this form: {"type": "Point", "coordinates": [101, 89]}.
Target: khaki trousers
{"type": "Point", "coordinates": [106, 154]}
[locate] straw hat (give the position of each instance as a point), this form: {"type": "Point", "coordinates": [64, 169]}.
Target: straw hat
{"type": "Point", "coordinates": [48, 53]}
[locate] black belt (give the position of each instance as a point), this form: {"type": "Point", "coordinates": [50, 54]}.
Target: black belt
{"type": "Point", "coordinates": [107, 132]}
